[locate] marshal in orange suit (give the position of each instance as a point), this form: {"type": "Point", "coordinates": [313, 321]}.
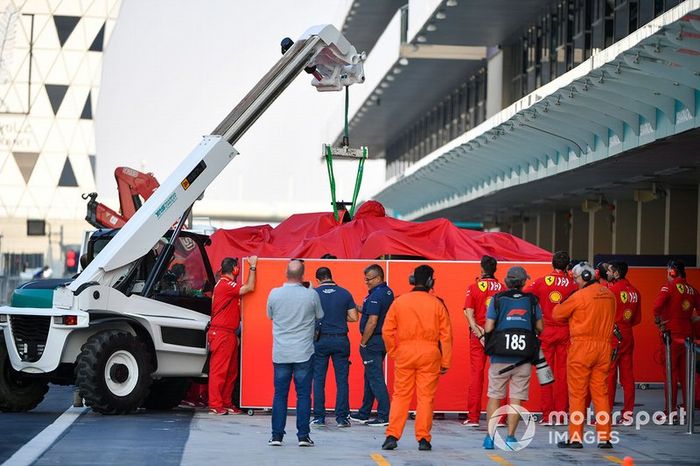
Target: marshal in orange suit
{"type": "Point", "coordinates": [590, 312]}
{"type": "Point", "coordinates": [418, 336]}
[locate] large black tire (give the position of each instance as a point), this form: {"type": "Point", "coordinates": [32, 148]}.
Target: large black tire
{"type": "Point", "coordinates": [113, 372]}
{"type": "Point", "coordinates": [167, 393]}
{"type": "Point", "coordinates": [18, 393]}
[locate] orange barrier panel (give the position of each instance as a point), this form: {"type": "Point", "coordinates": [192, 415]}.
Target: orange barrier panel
{"type": "Point", "coordinates": [452, 279]}
{"type": "Point", "coordinates": [649, 351]}
{"type": "Point", "coordinates": [256, 340]}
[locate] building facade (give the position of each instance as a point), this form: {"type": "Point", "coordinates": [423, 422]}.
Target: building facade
{"type": "Point", "coordinates": [572, 124]}
{"type": "Point", "coordinates": [50, 70]}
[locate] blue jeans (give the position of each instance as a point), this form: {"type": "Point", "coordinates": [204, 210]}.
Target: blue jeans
{"type": "Point", "coordinates": [336, 347]}
{"type": "Point", "coordinates": [375, 388]}
{"type": "Point", "coordinates": [302, 373]}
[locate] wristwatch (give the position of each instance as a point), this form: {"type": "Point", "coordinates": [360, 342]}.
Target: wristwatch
{"type": "Point", "coordinates": [252, 269]}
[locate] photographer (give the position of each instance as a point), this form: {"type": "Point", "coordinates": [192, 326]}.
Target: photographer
{"type": "Point", "coordinates": [513, 319]}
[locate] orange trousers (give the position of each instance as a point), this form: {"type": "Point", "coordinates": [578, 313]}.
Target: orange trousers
{"type": "Point", "coordinates": [417, 370]}
{"type": "Point", "coordinates": [588, 365]}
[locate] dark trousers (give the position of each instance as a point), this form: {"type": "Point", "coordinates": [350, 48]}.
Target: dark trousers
{"type": "Point", "coordinates": [375, 387]}
{"type": "Point", "coordinates": [337, 348]}
{"type": "Point", "coordinates": [302, 372]}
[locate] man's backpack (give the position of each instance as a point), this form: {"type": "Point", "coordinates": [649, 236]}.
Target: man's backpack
{"type": "Point", "coordinates": [518, 343]}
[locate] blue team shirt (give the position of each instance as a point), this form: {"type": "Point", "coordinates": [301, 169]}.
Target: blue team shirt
{"type": "Point", "coordinates": [335, 301]}
{"type": "Point", "coordinates": [515, 310]}
{"type": "Point", "coordinates": [376, 303]}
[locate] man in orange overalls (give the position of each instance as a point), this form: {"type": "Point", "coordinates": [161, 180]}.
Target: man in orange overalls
{"type": "Point", "coordinates": [629, 313]}
{"type": "Point", "coordinates": [590, 312]}
{"type": "Point", "coordinates": [418, 336]}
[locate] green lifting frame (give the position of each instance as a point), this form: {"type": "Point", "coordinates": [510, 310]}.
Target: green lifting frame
{"type": "Point", "coordinates": [345, 152]}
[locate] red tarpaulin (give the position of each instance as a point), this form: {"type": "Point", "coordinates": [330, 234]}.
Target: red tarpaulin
{"type": "Point", "coordinates": [369, 235]}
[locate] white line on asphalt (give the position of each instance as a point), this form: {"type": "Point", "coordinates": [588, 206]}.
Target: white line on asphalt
{"type": "Point", "coordinates": [32, 450]}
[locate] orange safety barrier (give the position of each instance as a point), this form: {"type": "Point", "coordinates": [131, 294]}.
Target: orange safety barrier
{"type": "Point", "coordinates": [451, 280]}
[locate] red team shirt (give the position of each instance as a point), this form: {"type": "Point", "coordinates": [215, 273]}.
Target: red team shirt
{"type": "Point", "coordinates": [479, 296]}
{"type": "Point", "coordinates": [551, 290]}
{"type": "Point", "coordinates": [225, 306]}
{"type": "Point", "coordinates": [675, 303]}
{"type": "Point", "coordinates": [629, 304]}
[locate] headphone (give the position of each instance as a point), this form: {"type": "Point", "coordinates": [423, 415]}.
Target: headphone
{"type": "Point", "coordinates": [429, 283]}
{"type": "Point", "coordinates": [586, 275]}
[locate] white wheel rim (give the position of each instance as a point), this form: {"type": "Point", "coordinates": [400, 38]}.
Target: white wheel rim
{"type": "Point", "coordinates": [128, 360]}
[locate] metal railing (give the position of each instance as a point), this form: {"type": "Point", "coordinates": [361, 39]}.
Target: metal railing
{"type": "Point", "coordinates": [691, 351]}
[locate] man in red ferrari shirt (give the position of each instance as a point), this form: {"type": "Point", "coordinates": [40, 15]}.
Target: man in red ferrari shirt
{"type": "Point", "coordinates": [479, 296]}
{"type": "Point", "coordinates": [551, 290]}
{"type": "Point", "coordinates": [223, 342]}
{"type": "Point", "coordinates": [673, 312]}
{"type": "Point", "coordinates": [628, 314]}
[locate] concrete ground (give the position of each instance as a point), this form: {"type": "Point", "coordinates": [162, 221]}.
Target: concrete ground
{"type": "Point", "coordinates": [214, 438]}
{"type": "Point", "coordinates": [193, 437]}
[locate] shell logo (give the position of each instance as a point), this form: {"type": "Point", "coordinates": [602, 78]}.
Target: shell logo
{"type": "Point", "coordinates": [627, 315]}
{"type": "Point", "coordinates": [555, 296]}
{"type": "Point", "coordinates": [685, 305]}
{"type": "Point", "coordinates": [488, 301]}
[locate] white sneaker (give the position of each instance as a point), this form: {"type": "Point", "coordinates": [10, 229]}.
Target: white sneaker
{"type": "Point", "coordinates": [469, 423]}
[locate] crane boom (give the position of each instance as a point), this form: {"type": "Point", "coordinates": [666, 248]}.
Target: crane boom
{"type": "Point", "coordinates": [321, 50]}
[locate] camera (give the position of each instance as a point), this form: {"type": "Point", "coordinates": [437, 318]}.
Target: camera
{"type": "Point", "coordinates": [544, 372]}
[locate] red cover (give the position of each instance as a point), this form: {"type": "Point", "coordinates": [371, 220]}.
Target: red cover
{"type": "Point", "coordinates": [369, 235]}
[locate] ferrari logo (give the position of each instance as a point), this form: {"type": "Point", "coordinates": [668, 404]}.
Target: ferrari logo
{"type": "Point", "coordinates": [549, 280]}
{"type": "Point", "coordinates": [681, 288]}
{"type": "Point", "coordinates": [627, 315]}
{"type": "Point", "coordinates": [623, 296]}
{"type": "Point", "coordinates": [483, 286]}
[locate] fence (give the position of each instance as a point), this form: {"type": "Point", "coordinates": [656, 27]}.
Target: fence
{"type": "Point", "coordinates": [7, 286]}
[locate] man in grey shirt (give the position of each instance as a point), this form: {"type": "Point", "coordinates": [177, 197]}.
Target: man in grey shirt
{"type": "Point", "coordinates": [293, 310]}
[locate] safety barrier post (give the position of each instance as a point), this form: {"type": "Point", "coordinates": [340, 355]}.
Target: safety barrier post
{"type": "Point", "coordinates": [669, 398]}
{"type": "Point", "coordinates": [690, 358]}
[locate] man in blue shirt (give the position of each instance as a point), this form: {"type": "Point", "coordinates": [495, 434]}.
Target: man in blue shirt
{"type": "Point", "coordinates": [510, 309]}
{"type": "Point", "coordinates": [372, 350]}
{"type": "Point", "coordinates": [332, 342]}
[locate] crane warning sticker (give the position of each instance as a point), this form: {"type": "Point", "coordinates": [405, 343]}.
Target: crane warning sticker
{"type": "Point", "coordinates": [166, 205]}
{"type": "Point", "coordinates": [193, 175]}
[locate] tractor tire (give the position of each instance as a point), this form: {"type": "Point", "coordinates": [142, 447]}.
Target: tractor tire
{"type": "Point", "coordinates": [17, 392]}
{"type": "Point", "coordinates": [167, 393]}
{"type": "Point", "coordinates": [113, 372]}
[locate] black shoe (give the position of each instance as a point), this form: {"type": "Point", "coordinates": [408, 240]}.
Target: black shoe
{"type": "Point", "coordinates": [275, 441]}
{"type": "Point", "coordinates": [572, 445]}
{"type": "Point", "coordinates": [358, 418]}
{"type": "Point", "coordinates": [390, 443]}
{"type": "Point", "coordinates": [306, 442]}
{"type": "Point", "coordinates": [377, 423]}
{"type": "Point", "coordinates": [424, 445]}
{"type": "Point", "coordinates": [605, 445]}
